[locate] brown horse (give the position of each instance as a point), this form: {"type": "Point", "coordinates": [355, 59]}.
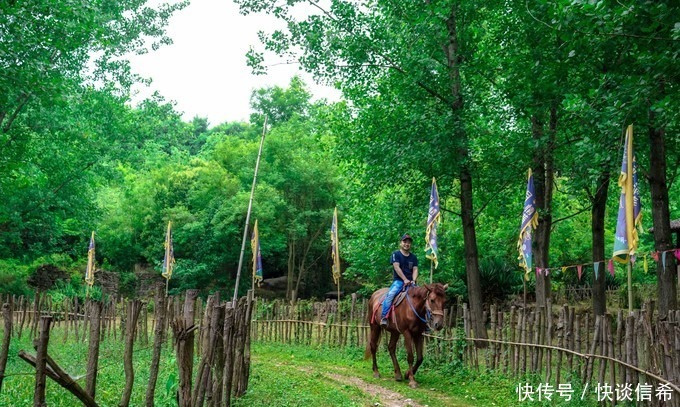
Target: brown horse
{"type": "Point", "coordinates": [422, 308]}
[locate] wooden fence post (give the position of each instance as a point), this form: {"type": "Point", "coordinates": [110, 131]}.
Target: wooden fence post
{"type": "Point", "coordinates": [4, 351]}
{"type": "Point", "coordinates": [93, 349]}
{"type": "Point", "coordinates": [227, 340]}
{"type": "Point", "coordinates": [183, 330]}
{"type": "Point", "coordinates": [41, 362]}
{"type": "Point", "coordinates": [215, 398]}
{"type": "Point", "coordinates": [207, 337]}
{"type": "Point", "coordinates": [133, 310]}
{"type": "Point", "coordinates": [159, 311]}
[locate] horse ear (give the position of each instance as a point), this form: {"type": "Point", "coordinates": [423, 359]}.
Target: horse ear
{"type": "Point", "coordinates": [446, 286]}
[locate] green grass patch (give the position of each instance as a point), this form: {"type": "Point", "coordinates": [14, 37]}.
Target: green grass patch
{"type": "Point", "coordinates": [282, 364]}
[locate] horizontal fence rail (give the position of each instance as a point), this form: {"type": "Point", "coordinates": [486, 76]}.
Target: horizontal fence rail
{"type": "Point", "coordinates": [556, 344]}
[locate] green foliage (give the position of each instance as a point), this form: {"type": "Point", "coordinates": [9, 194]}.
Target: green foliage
{"type": "Point", "coordinates": [13, 276]}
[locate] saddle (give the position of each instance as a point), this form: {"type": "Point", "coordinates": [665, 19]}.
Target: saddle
{"type": "Point", "coordinates": [395, 303]}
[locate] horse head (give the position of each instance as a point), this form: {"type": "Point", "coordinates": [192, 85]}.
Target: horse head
{"type": "Point", "coordinates": [435, 298]}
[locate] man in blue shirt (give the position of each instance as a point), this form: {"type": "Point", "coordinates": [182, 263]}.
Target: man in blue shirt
{"type": "Point", "coordinates": [405, 273]}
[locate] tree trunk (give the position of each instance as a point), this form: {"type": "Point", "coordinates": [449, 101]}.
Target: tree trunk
{"type": "Point", "coordinates": [666, 289]}
{"type": "Point", "coordinates": [291, 268]}
{"type": "Point", "coordinates": [471, 256]}
{"type": "Point", "coordinates": [465, 177]}
{"type": "Point", "coordinates": [543, 181]}
{"type": "Point", "coordinates": [597, 225]}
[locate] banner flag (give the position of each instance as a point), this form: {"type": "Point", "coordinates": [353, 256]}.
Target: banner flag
{"type": "Point", "coordinates": [257, 256]}
{"type": "Point", "coordinates": [630, 216]}
{"type": "Point", "coordinates": [529, 222]}
{"type": "Point", "coordinates": [89, 270]}
{"type": "Point", "coordinates": [433, 220]}
{"type": "Point", "coordinates": [335, 248]}
{"type": "Point", "coordinates": [169, 257]}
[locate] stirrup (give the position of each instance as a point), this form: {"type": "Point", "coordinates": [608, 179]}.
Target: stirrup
{"type": "Point", "coordinates": [384, 322]}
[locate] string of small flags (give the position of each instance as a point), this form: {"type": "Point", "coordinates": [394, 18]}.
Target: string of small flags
{"type": "Point", "coordinates": [656, 256]}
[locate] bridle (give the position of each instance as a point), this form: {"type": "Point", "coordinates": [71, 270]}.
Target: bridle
{"type": "Point", "coordinates": [428, 309]}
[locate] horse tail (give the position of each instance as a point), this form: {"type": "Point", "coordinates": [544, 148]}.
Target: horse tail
{"type": "Point", "coordinates": [370, 318]}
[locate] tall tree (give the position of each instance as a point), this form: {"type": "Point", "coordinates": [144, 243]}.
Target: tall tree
{"type": "Point", "coordinates": [370, 49]}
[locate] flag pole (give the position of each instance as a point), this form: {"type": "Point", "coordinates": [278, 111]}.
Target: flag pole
{"type": "Point", "coordinates": [630, 287]}
{"type": "Point", "coordinates": [250, 206]}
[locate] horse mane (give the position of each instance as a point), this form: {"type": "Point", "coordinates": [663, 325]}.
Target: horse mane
{"type": "Point", "coordinates": [422, 290]}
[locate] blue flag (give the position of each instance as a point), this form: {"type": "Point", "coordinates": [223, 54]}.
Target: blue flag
{"type": "Point", "coordinates": [626, 239]}
{"type": "Point", "coordinates": [529, 222]}
{"type": "Point", "coordinates": [89, 270]}
{"type": "Point", "coordinates": [433, 219]}
{"type": "Point", "coordinates": [257, 256]}
{"type": "Point", "coordinates": [169, 257]}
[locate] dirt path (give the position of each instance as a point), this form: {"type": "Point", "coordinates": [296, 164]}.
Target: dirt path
{"type": "Point", "coordinates": [388, 398]}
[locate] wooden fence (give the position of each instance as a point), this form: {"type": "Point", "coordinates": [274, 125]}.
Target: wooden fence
{"type": "Point", "coordinates": [216, 334]}
{"type": "Point", "coordinates": [619, 357]}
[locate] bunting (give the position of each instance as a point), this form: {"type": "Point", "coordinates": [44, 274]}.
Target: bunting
{"type": "Point", "coordinates": [529, 222]}
{"type": "Point", "coordinates": [169, 257]}
{"type": "Point", "coordinates": [433, 220]}
{"type": "Point", "coordinates": [335, 248]}
{"type": "Point", "coordinates": [657, 256]}
{"type": "Point", "coordinates": [89, 270]}
{"type": "Point", "coordinates": [257, 256]}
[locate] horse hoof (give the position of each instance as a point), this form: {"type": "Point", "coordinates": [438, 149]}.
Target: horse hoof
{"type": "Point", "coordinates": [413, 385]}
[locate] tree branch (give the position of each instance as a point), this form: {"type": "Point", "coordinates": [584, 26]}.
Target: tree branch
{"type": "Point", "coordinates": [572, 215]}
{"type": "Point", "coordinates": [526, 4]}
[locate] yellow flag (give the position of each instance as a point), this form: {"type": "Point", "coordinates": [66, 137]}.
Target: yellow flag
{"type": "Point", "coordinates": [89, 270]}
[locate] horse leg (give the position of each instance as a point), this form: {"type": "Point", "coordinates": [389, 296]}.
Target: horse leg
{"type": "Point", "coordinates": [418, 340]}
{"type": "Point", "coordinates": [408, 341]}
{"type": "Point", "coordinates": [394, 338]}
{"type": "Point", "coordinates": [373, 343]}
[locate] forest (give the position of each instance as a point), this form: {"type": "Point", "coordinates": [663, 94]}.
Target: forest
{"type": "Point", "coordinates": [472, 94]}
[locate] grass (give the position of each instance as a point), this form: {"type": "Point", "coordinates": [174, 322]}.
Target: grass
{"type": "Point", "coordinates": [18, 386]}
{"type": "Point", "coordinates": [281, 375]}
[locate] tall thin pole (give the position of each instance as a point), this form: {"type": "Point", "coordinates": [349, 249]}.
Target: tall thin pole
{"type": "Point", "coordinates": [250, 206]}
{"type": "Point", "coordinates": [630, 287]}
{"type": "Point", "coordinates": [431, 270]}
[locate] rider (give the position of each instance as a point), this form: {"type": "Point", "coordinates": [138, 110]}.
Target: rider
{"type": "Point", "coordinates": [405, 273]}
